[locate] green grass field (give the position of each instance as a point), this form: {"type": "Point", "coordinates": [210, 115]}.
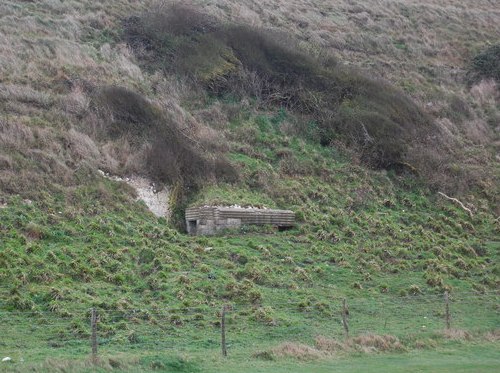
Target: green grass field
{"type": "Point", "coordinates": [479, 358]}
{"type": "Point", "coordinates": [456, 357]}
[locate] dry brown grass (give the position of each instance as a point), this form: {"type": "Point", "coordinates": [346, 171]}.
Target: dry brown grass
{"type": "Point", "coordinates": [457, 334]}
{"type": "Point", "coordinates": [35, 158]}
{"type": "Point", "coordinates": [486, 93]}
{"type": "Point", "coordinates": [367, 344]}
{"type": "Point", "coordinates": [42, 39]}
{"type": "Point", "coordinates": [55, 56]}
{"type": "Point", "coordinates": [493, 336]}
{"type": "Point", "coordinates": [46, 71]}
{"type": "Point", "coordinates": [53, 52]}
{"type": "Point", "coordinates": [297, 351]}
{"type": "Point", "coordinates": [425, 343]}
{"type": "Point", "coordinates": [375, 343]}
{"type": "Point", "coordinates": [327, 347]}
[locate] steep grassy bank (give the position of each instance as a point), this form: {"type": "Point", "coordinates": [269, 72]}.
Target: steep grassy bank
{"type": "Point", "coordinates": [50, 131]}
{"type": "Point", "coordinates": [388, 240]}
{"type": "Point", "coordinates": [376, 225]}
{"type": "Point", "coordinates": [265, 126]}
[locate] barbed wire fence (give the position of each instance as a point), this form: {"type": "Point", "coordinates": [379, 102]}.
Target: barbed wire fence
{"type": "Point", "coordinates": [229, 327]}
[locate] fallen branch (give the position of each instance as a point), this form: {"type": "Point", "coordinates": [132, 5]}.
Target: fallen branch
{"type": "Point", "coordinates": [458, 202]}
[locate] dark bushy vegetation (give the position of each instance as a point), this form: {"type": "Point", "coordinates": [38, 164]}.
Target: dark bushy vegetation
{"type": "Point", "coordinates": [172, 156]}
{"type": "Point", "coordinates": [486, 65]}
{"type": "Point", "coordinates": [370, 115]}
{"type": "Point", "coordinates": [128, 112]}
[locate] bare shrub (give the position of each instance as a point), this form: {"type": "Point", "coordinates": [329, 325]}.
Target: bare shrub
{"type": "Point", "coordinates": [224, 170]}
{"type": "Point", "coordinates": [116, 155]}
{"type": "Point", "coordinates": [152, 36]}
{"type": "Point", "coordinates": [179, 19]}
{"type": "Point", "coordinates": [126, 112]}
{"type": "Point", "coordinates": [214, 116]}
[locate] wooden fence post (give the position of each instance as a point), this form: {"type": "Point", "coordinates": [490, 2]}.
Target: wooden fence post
{"type": "Point", "coordinates": [345, 318]}
{"type": "Point", "coordinates": [447, 309]}
{"type": "Point", "coordinates": [223, 331]}
{"type": "Point", "coordinates": [93, 337]}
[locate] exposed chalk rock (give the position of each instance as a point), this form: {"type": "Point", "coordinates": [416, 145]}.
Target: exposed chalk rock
{"type": "Point", "coordinates": [157, 200]}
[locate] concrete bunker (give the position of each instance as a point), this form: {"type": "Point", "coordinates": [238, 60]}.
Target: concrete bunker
{"type": "Point", "coordinates": [208, 220]}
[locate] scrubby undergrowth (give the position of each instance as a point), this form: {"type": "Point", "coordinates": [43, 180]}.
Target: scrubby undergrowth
{"type": "Point", "coordinates": [486, 65]}
{"type": "Point", "coordinates": [342, 103]}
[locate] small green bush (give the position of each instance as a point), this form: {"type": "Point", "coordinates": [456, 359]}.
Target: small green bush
{"type": "Point", "coordinates": [486, 65]}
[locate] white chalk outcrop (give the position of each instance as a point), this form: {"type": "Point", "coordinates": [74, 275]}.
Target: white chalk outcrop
{"type": "Point", "coordinates": [157, 200]}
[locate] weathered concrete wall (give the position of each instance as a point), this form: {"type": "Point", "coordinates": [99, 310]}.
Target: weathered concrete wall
{"type": "Point", "coordinates": [208, 220]}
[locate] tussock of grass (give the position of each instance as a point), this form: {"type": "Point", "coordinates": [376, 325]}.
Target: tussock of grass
{"type": "Point", "coordinates": [376, 343]}
{"type": "Point", "coordinates": [329, 345]}
{"type": "Point", "coordinates": [324, 347]}
{"type": "Point", "coordinates": [493, 336]}
{"type": "Point", "coordinates": [457, 334]}
{"type": "Point", "coordinates": [297, 351]}
{"type": "Point", "coordinates": [367, 344]}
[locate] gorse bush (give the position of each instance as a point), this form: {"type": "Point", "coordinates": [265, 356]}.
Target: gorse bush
{"type": "Point", "coordinates": [243, 61]}
{"type": "Point", "coordinates": [172, 155]}
{"type": "Point", "coordinates": [486, 65]}
{"type": "Point", "coordinates": [127, 112]}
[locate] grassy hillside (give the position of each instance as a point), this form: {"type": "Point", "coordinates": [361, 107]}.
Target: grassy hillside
{"type": "Point", "coordinates": [354, 119]}
{"type": "Point", "coordinates": [57, 56]}
{"type": "Point", "coordinates": [387, 246]}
